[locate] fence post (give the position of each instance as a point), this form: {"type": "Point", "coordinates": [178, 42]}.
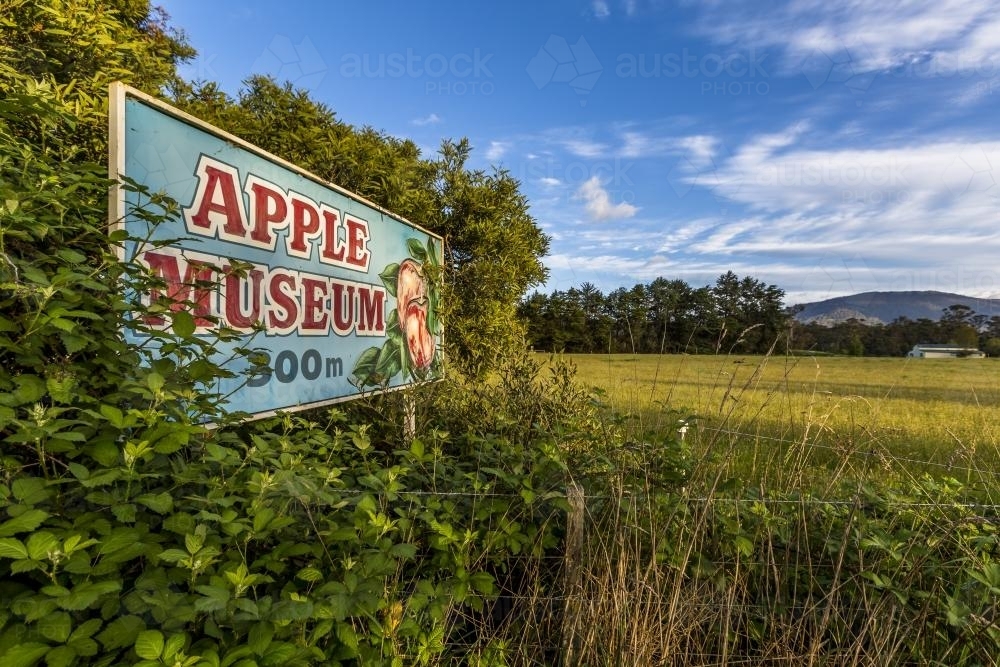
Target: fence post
{"type": "Point", "coordinates": [409, 416]}
{"type": "Point", "coordinates": [572, 570]}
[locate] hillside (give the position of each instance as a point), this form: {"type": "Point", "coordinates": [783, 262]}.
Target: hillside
{"type": "Point", "coordinates": [884, 307]}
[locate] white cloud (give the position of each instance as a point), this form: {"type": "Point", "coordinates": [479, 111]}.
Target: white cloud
{"type": "Point", "coordinates": [641, 145]}
{"type": "Point", "coordinates": [432, 119]}
{"type": "Point", "coordinates": [549, 182]}
{"type": "Point", "coordinates": [600, 9]}
{"type": "Point", "coordinates": [855, 36]}
{"type": "Point", "coordinates": [923, 215]}
{"type": "Point", "coordinates": [584, 147]}
{"type": "Point", "coordinates": [497, 150]}
{"type": "Point", "coordinates": [597, 202]}
{"type": "Point", "coordinates": [701, 148]}
{"type": "Point", "coordinates": [635, 267]}
{"type": "Point", "coordinates": [931, 179]}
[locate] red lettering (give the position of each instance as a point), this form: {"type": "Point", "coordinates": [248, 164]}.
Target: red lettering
{"type": "Point", "coordinates": [313, 300]}
{"type": "Point", "coordinates": [305, 225]}
{"type": "Point", "coordinates": [371, 304]}
{"type": "Point", "coordinates": [281, 292]}
{"type": "Point", "coordinates": [333, 251]}
{"type": "Point", "coordinates": [239, 292]}
{"type": "Point", "coordinates": [268, 208]}
{"type": "Point", "coordinates": [214, 182]}
{"type": "Point", "coordinates": [198, 279]}
{"type": "Point", "coordinates": [343, 308]}
{"type": "Point", "coordinates": [357, 236]}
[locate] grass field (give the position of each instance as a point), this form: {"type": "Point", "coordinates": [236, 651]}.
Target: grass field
{"type": "Point", "coordinates": [788, 421]}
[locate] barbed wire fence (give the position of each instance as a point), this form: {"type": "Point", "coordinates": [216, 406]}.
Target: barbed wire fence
{"type": "Point", "coordinates": [561, 622]}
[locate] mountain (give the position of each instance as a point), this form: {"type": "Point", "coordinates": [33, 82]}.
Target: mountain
{"type": "Point", "coordinates": [884, 307]}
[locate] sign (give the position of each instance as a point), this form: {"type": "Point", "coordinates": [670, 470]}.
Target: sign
{"type": "Point", "coordinates": [334, 289]}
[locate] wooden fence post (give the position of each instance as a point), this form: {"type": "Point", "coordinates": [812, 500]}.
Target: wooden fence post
{"type": "Point", "coordinates": [572, 570]}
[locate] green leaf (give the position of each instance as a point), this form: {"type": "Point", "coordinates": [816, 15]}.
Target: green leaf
{"type": "Point", "coordinates": [86, 629]}
{"type": "Point", "coordinates": [416, 250]}
{"type": "Point", "coordinates": [389, 276]}
{"type": "Point", "coordinates": [433, 324]}
{"type": "Point", "coordinates": [124, 512]}
{"type": "Point", "coordinates": [173, 645]}
{"type": "Point", "coordinates": [30, 490]}
{"type": "Point", "coordinates": [388, 363]}
{"type": "Point", "coordinates": [105, 453]}
{"type": "Point", "coordinates": [183, 323]}
{"type": "Point", "coordinates": [215, 598]}
{"type": "Point", "coordinates": [56, 627]}
{"type": "Point", "coordinates": [149, 644]}
{"type": "Point", "coordinates": [29, 389]}
{"type": "Point", "coordinates": [392, 326]}
{"type": "Point", "coordinates": [11, 547]}
{"type": "Point", "coordinates": [84, 646]}
{"type": "Point", "coordinates": [41, 544]}
{"type": "Point", "coordinates": [364, 367]}
{"type": "Point", "coordinates": [194, 541]}
{"type": "Point", "coordinates": [743, 545]}
{"type": "Point", "coordinates": [279, 654]}
{"type": "Point", "coordinates": [86, 594]}
{"type": "Point", "coordinates": [60, 656]}
{"type": "Point", "coordinates": [309, 574]}
{"type": "Point", "coordinates": [73, 344]}
{"type": "Point", "coordinates": [24, 655]}
{"type": "Point", "coordinates": [154, 381]}
{"type": "Point", "coordinates": [262, 518]}
{"type": "Point", "coordinates": [23, 523]}
{"type": "Point", "coordinates": [160, 503]}
{"type": "Point", "coordinates": [113, 415]}
{"type": "Point", "coordinates": [120, 632]}
{"type": "Point", "coordinates": [433, 257]}
{"type": "Point", "coordinates": [260, 637]}
{"type": "Point", "coordinates": [19, 566]}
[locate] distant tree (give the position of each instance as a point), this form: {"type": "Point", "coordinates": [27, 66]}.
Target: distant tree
{"type": "Point", "coordinates": [992, 347]}
{"type": "Point", "coordinates": [957, 325]}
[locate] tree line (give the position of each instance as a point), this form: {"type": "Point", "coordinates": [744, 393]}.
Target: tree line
{"type": "Point", "coordinates": [733, 315]}
{"type": "Point", "coordinates": [959, 325]}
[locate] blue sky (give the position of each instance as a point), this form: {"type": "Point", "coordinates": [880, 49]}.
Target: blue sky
{"type": "Point", "coordinates": [826, 146]}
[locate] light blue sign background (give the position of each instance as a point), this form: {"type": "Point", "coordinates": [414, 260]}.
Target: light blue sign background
{"type": "Point", "coordinates": [162, 152]}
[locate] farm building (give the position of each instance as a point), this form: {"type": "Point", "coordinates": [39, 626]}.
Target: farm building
{"type": "Point", "coordinates": [928, 351]}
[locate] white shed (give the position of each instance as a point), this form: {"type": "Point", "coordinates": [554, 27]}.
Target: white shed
{"type": "Point", "coordinates": [930, 351]}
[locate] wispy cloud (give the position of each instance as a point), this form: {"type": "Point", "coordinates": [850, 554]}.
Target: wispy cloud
{"type": "Point", "coordinates": [585, 147]}
{"type": "Point", "coordinates": [857, 36]}
{"type": "Point", "coordinates": [600, 9]}
{"type": "Point", "coordinates": [597, 202]}
{"type": "Point", "coordinates": [431, 119]}
{"type": "Point", "coordinates": [701, 148]}
{"type": "Point", "coordinates": [932, 200]}
{"type": "Point", "coordinates": [642, 145]}
{"type": "Point", "coordinates": [497, 149]}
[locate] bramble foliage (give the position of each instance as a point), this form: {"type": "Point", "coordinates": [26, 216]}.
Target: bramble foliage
{"type": "Point", "coordinates": [129, 533]}
{"type": "Point", "coordinates": [132, 534]}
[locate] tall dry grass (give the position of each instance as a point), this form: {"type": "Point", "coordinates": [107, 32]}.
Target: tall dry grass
{"type": "Point", "coordinates": [809, 538]}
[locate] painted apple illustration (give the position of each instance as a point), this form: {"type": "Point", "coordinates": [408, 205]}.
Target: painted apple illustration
{"type": "Point", "coordinates": [410, 347]}
{"type": "Point", "coordinates": [411, 297]}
